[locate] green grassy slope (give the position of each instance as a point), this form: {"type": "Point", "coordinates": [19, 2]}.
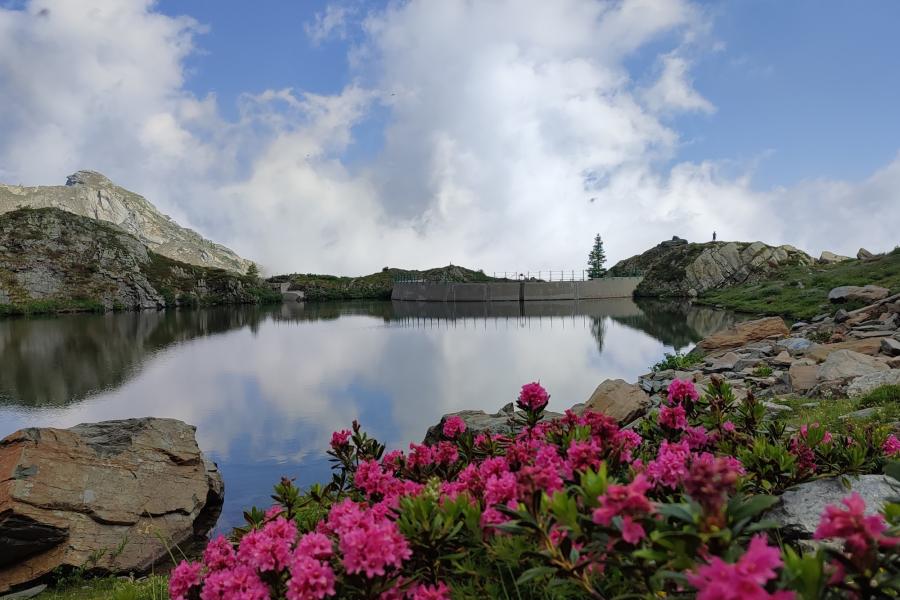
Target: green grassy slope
{"type": "Point", "coordinates": [802, 291]}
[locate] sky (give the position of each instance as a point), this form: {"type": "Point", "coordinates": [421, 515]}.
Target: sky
{"type": "Point", "coordinates": [343, 136]}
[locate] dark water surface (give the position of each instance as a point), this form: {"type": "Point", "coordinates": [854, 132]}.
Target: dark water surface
{"type": "Point", "coordinates": [267, 386]}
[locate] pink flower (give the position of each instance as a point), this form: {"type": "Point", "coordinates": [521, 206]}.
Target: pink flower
{"type": "Point", "coordinates": [743, 580]}
{"type": "Point", "coordinates": [310, 579]}
{"type": "Point", "coordinates": [670, 466]}
{"type": "Point", "coordinates": [500, 489]}
{"type": "Point", "coordinates": [697, 437]}
{"type": "Point", "coordinates": [891, 446]}
{"type": "Point", "coordinates": [583, 455]}
{"type": "Point", "coordinates": [728, 427]}
{"type": "Point", "coordinates": [239, 582]}
{"type": "Point", "coordinates": [682, 390]}
{"type": "Point", "coordinates": [219, 554]}
{"type": "Point", "coordinates": [183, 577]}
{"type": "Point", "coordinates": [420, 456]}
{"type": "Point", "coordinates": [626, 501]}
{"type": "Point", "coordinates": [445, 453]}
{"type": "Point", "coordinates": [439, 591]}
{"type": "Point", "coordinates": [391, 460]}
{"type": "Point", "coordinates": [269, 548]}
{"type": "Point", "coordinates": [454, 426]}
{"type": "Point", "coordinates": [673, 417]}
{"type": "Point", "coordinates": [339, 439]}
{"type": "Point", "coordinates": [711, 479]}
{"type": "Point", "coordinates": [859, 532]}
{"type": "Point", "coordinates": [533, 397]}
{"type": "Point", "coordinates": [368, 541]}
{"type": "Point", "coordinates": [626, 440]}
{"type": "Point", "coordinates": [314, 545]}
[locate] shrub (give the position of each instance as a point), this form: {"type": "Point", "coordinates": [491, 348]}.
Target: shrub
{"type": "Point", "coordinates": [574, 507]}
{"type": "Point", "coordinates": [677, 361]}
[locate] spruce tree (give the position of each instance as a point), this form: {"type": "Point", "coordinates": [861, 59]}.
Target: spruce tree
{"type": "Point", "coordinates": [596, 259]}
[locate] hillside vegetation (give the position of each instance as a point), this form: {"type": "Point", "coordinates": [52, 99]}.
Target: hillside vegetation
{"type": "Point", "coordinates": [375, 286]}
{"type": "Point", "coordinates": [55, 261]}
{"type": "Point", "coordinates": [801, 291]}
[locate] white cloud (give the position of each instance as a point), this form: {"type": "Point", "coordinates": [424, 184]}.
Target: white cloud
{"type": "Point", "coordinates": [332, 22]}
{"type": "Point", "coordinates": [515, 131]}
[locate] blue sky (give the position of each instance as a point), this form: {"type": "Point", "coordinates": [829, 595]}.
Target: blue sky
{"type": "Point", "coordinates": [343, 135]}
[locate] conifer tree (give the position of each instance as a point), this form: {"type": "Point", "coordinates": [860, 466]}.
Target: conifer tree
{"type": "Point", "coordinates": [596, 259]}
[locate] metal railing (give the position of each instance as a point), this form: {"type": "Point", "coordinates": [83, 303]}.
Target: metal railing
{"type": "Point", "coordinates": [539, 275]}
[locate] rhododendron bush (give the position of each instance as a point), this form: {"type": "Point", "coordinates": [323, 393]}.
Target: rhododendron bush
{"type": "Point", "coordinates": [574, 507]}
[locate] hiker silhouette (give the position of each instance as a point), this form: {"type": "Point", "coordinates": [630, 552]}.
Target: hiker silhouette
{"type": "Point", "coordinates": [714, 236]}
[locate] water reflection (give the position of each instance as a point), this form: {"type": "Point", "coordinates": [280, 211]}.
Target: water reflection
{"type": "Point", "coordinates": [266, 386]}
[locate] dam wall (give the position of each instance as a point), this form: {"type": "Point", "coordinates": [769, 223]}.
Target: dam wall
{"type": "Point", "coordinates": [515, 291]}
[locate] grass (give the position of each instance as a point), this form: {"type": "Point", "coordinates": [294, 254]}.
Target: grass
{"type": "Point", "coordinates": [802, 291]}
{"type": "Point", "coordinates": [153, 587]}
{"type": "Point", "coordinates": [828, 412]}
{"type": "Point", "coordinates": [677, 361]}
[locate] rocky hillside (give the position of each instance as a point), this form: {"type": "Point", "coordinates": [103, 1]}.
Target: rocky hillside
{"type": "Point", "coordinates": [679, 268]}
{"type": "Point", "coordinates": [54, 260]}
{"type": "Point", "coordinates": [90, 194]}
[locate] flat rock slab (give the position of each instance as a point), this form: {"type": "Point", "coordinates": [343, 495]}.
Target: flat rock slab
{"type": "Point", "coordinates": [869, 346]}
{"type": "Point", "coordinates": [845, 364]}
{"type": "Point", "coordinates": [866, 383]}
{"type": "Point", "coordinates": [107, 489]}
{"type": "Point", "coordinates": [803, 377]}
{"type": "Point", "coordinates": [744, 333]}
{"type": "Point", "coordinates": [866, 293]}
{"type": "Point", "coordinates": [890, 346]}
{"type": "Point", "coordinates": [799, 511]}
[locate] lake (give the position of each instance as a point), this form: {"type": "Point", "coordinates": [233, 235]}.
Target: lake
{"type": "Point", "coordinates": [266, 386]}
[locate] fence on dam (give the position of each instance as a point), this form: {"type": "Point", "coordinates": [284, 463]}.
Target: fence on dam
{"type": "Point", "coordinates": [515, 291]}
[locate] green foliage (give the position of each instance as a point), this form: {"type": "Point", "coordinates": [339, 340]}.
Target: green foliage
{"type": "Point", "coordinates": [677, 361]}
{"type": "Point", "coordinates": [762, 371]}
{"type": "Point", "coordinates": [596, 259]}
{"type": "Point", "coordinates": [152, 587]}
{"type": "Point", "coordinates": [802, 291]}
{"type": "Point", "coordinates": [253, 271]}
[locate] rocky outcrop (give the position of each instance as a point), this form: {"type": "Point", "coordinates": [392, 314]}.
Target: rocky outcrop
{"type": "Point", "coordinates": [845, 364]}
{"type": "Point", "coordinates": [799, 511]}
{"type": "Point", "coordinates": [830, 258]}
{"type": "Point", "coordinates": [478, 421]}
{"type": "Point", "coordinates": [105, 496]}
{"type": "Point", "coordinates": [853, 293]}
{"type": "Point", "coordinates": [678, 268]}
{"type": "Point", "coordinates": [56, 257]}
{"type": "Point", "coordinates": [92, 195]}
{"type": "Point", "coordinates": [621, 400]}
{"type": "Point", "coordinates": [743, 334]}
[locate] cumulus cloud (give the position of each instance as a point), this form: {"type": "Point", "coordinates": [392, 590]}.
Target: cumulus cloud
{"type": "Point", "coordinates": [514, 132]}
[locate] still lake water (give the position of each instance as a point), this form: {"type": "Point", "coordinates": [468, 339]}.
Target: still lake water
{"type": "Point", "coordinates": [266, 386]}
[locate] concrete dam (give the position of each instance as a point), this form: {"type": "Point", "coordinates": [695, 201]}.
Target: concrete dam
{"type": "Point", "coordinates": [515, 291]}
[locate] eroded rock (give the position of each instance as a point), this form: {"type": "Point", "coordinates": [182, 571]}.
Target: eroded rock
{"type": "Point", "coordinates": [744, 333]}
{"type": "Point", "coordinates": [107, 490]}
{"type": "Point", "coordinates": [621, 400]}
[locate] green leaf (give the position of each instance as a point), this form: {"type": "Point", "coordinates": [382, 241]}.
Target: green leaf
{"type": "Point", "coordinates": [533, 573]}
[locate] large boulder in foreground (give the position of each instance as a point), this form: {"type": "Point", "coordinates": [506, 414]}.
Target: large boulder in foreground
{"type": "Point", "coordinates": [620, 400]}
{"type": "Point", "coordinates": [743, 334]}
{"type": "Point", "coordinates": [800, 509]}
{"type": "Point", "coordinates": [101, 495]}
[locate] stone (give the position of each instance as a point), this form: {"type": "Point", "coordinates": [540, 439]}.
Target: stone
{"type": "Point", "coordinates": [782, 360]}
{"type": "Point", "coordinates": [795, 345]}
{"type": "Point", "coordinates": [853, 293]}
{"type": "Point", "coordinates": [864, 335]}
{"type": "Point", "coordinates": [863, 413]}
{"type": "Point", "coordinates": [777, 408]}
{"type": "Point", "coordinates": [830, 258]}
{"type": "Point", "coordinates": [479, 421]}
{"type": "Point", "coordinates": [866, 383]}
{"type": "Point", "coordinates": [841, 315]}
{"type": "Point", "coordinates": [27, 593]}
{"type": "Point", "coordinates": [726, 362]}
{"type": "Point", "coordinates": [819, 318]}
{"type": "Point", "coordinates": [801, 324]}
{"type": "Point", "coordinates": [620, 400]}
{"type": "Point", "coordinates": [799, 509]}
{"type": "Point", "coordinates": [744, 333]}
{"type": "Point", "coordinates": [867, 346]}
{"type": "Point", "coordinates": [862, 254]}
{"type": "Point", "coordinates": [107, 489]}
{"type": "Point", "coordinates": [845, 364]}
{"type": "Point", "coordinates": [802, 377]}
{"type": "Point", "coordinates": [90, 194]}
{"type": "Point", "coordinates": [894, 362]}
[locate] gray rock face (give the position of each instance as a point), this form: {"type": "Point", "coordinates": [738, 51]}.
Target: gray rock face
{"type": "Point", "coordinates": [846, 364]}
{"type": "Point", "coordinates": [866, 383]}
{"type": "Point", "coordinates": [890, 346]}
{"type": "Point", "coordinates": [800, 508]}
{"type": "Point", "coordinates": [102, 490]}
{"type": "Point", "coordinates": [622, 401]}
{"type": "Point", "coordinates": [849, 293]}
{"type": "Point", "coordinates": [830, 258]}
{"type": "Point", "coordinates": [689, 269]}
{"type": "Point", "coordinates": [90, 194]}
{"type": "Point", "coordinates": [863, 254]}
{"type": "Point", "coordinates": [478, 421]}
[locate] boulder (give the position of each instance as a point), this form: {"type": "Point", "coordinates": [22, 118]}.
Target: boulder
{"type": "Point", "coordinates": [802, 377]}
{"type": "Point", "coordinates": [830, 258]}
{"type": "Point", "coordinates": [863, 254]}
{"type": "Point", "coordinates": [726, 362]}
{"type": "Point", "coordinates": [101, 494]}
{"type": "Point", "coordinates": [782, 360]}
{"type": "Point", "coordinates": [478, 421]}
{"type": "Point", "coordinates": [866, 383]}
{"type": "Point", "coordinates": [866, 346]}
{"type": "Point", "coordinates": [841, 315]}
{"type": "Point", "coordinates": [620, 400]}
{"type": "Point", "coordinates": [744, 333]}
{"type": "Point", "coordinates": [799, 511]}
{"type": "Point", "coordinates": [846, 364]}
{"type": "Point", "coordinates": [795, 345]}
{"type": "Point", "coordinates": [854, 293]}
{"type": "Point", "coordinates": [890, 346]}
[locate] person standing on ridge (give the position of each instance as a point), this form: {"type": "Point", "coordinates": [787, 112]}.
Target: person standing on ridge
{"type": "Point", "coordinates": [714, 236]}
